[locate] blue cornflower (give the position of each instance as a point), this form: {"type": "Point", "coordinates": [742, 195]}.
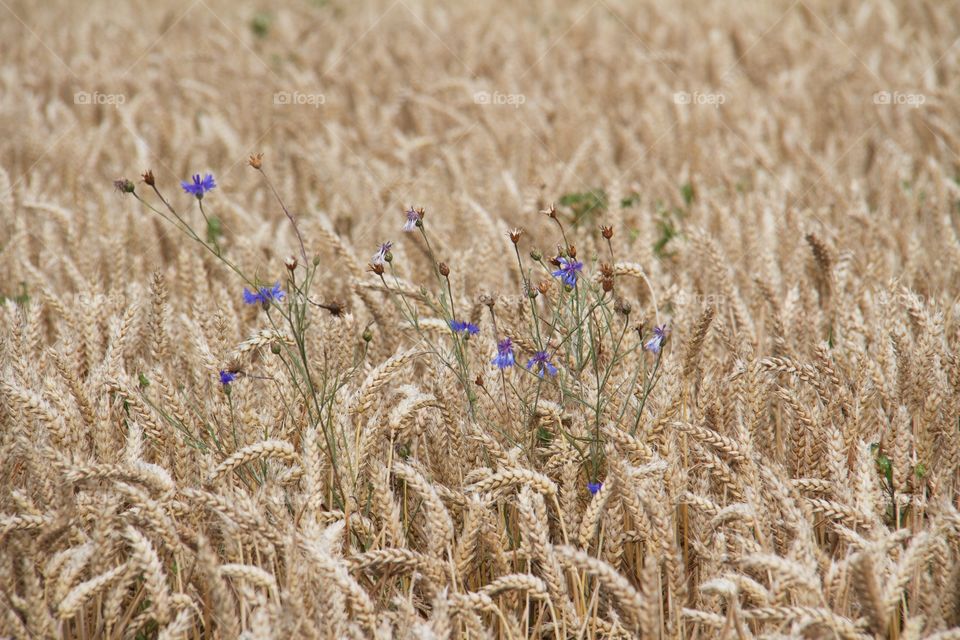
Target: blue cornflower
{"type": "Point", "coordinates": [413, 217]}
{"type": "Point", "coordinates": [569, 268]}
{"type": "Point", "coordinates": [381, 255]}
{"type": "Point", "coordinates": [226, 377]}
{"type": "Point", "coordinates": [459, 326]}
{"type": "Point", "coordinates": [199, 187]}
{"type": "Point", "coordinates": [505, 357]}
{"type": "Point", "coordinates": [594, 487]}
{"type": "Point", "coordinates": [655, 343]}
{"type": "Point", "coordinates": [263, 295]}
{"type": "Point", "coordinates": [542, 360]}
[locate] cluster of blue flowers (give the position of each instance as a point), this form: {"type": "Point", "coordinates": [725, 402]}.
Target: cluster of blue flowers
{"type": "Point", "coordinates": [541, 359]}
{"type": "Point", "coordinates": [654, 344]}
{"type": "Point", "coordinates": [568, 271]}
{"type": "Point", "coordinates": [264, 295]}
{"type": "Point", "coordinates": [459, 326]}
{"type": "Point", "coordinates": [199, 186]}
{"type": "Point", "coordinates": [504, 358]}
{"type": "Point", "coordinates": [380, 256]}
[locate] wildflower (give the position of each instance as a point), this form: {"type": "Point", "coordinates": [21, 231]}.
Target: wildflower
{"type": "Point", "coordinates": [199, 187]}
{"type": "Point", "coordinates": [264, 295]}
{"type": "Point", "coordinates": [655, 343]}
{"type": "Point", "coordinates": [124, 186]}
{"type": "Point", "coordinates": [381, 255]}
{"type": "Point", "coordinates": [256, 160]}
{"type": "Point", "coordinates": [148, 178]}
{"type": "Point", "coordinates": [459, 326]}
{"type": "Point", "coordinates": [505, 357]}
{"type": "Point", "coordinates": [552, 211]}
{"type": "Point", "coordinates": [226, 377]}
{"type": "Point", "coordinates": [413, 219]}
{"type": "Point", "coordinates": [542, 360]}
{"type": "Point", "coordinates": [515, 235]}
{"type": "Point", "coordinates": [569, 268]}
{"type": "Point", "coordinates": [594, 487]}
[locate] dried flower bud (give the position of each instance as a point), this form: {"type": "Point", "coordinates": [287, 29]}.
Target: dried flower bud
{"type": "Point", "coordinates": [479, 380]}
{"type": "Point", "coordinates": [622, 306]}
{"type": "Point", "coordinates": [532, 294]}
{"type": "Point", "coordinates": [572, 251]}
{"type": "Point", "coordinates": [335, 307]}
{"type": "Point", "coordinates": [551, 211]}
{"type": "Point", "coordinates": [443, 269]}
{"type": "Point", "coordinates": [376, 268]}
{"type": "Point", "coordinates": [148, 178]}
{"type": "Point", "coordinates": [256, 160]}
{"type": "Point", "coordinates": [290, 262]}
{"type": "Point", "coordinates": [124, 186]}
{"type": "Point", "coordinates": [515, 235]}
{"type": "Point", "coordinates": [275, 348]}
{"type": "Point", "coordinates": [607, 231]}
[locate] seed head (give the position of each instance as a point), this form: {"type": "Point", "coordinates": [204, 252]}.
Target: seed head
{"type": "Point", "coordinates": [572, 251]}
{"type": "Point", "coordinates": [376, 268]}
{"type": "Point", "coordinates": [515, 235]}
{"type": "Point", "coordinates": [622, 306]}
{"type": "Point", "coordinates": [607, 231]}
{"type": "Point", "coordinates": [256, 160]}
{"type": "Point", "coordinates": [148, 178]}
{"type": "Point", "coordinates": [290, 262]}
{"type": "Point", "coordinates": [443, 269]}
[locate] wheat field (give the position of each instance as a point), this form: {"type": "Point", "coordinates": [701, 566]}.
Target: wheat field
{"type": "Point", "coordinates": [576, 319]}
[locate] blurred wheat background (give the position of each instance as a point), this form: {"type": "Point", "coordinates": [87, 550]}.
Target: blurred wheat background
{"type": "Point", "coordinates": [784, 174]}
